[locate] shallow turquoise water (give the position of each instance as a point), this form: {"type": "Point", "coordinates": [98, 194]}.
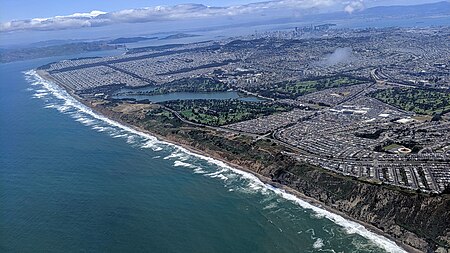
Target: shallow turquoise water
{"type": "Point", "coordinates": [71, 182]}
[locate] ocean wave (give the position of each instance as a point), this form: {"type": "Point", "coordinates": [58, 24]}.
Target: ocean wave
{"type": "Point", "coordinates": [63, 108]}
{"type": "Point", "coordinates": [177, 155]}
{"type": "Point", "coordinates": [99, 128]}
{"type": "Point", "coordinates": [119, 135]}
{"type": "Point", "coordinates": [272, 205]}
{"type": "Point", "coordinates": [220, 176]}
{"type": "Point", "coordinates": [329, 231]}
{"type": "Point", "coordinates": [216, 173]}
{"type": "Point", "coordinates": [40, 95]}
{"type": "Point", "coordinates": [151, 144]}
{"type": "Point", "coordinates": [318, 243]}
{"type": "Point", "coordinates": [86, 121]}
{"type": "Point", "coordinates": [199, 170]}
{"type": "Point", "coordinates": [182, 154]}
{"type": "Point", "coordinates": [183, 164]}
{"type": "Point", "coordinates": [50, 106]}
{"type": "Point", "coordinates": [131, 139]}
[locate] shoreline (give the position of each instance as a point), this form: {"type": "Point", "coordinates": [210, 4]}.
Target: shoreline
{"type": "Point", "coordinates": [267, 181]}
{"type": "Point", "coordinates": [202, 154]}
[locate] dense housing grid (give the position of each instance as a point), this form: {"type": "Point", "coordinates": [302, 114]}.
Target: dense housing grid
{"type": "Point", "coordinates": [338, 85]}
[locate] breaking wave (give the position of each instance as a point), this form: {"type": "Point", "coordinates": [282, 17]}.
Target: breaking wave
{"type": "Point", "coordinates": [182, 157]}
{"type": "Point", "coordinates": [318, 243]}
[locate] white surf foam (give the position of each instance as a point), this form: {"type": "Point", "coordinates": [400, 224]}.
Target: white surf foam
{"type": "Point", "coordinates": [199, 170]}
{"type": "Point", "coordinates": [50, 106]}
{"type": "Point", "coordinates": [183, 164]}
{"type": "Point", "coordinates": [220, 176]}
{"type": "Point", "coordinates": [119, 135]}
{"type": "Point", "coordinates": [181, 153]}
{"type": "Point", "coordinates": [40, 95]}
{"type": "Point", "coordinates": [99, 128]}
{"type": "Point", "coordinates": [216, 173]}
{"type": "Point", "coordinates": [131, 139]}
{"type": "Point", "coordinates": [151, 144]}
{"type": "Point", "coordinates": [318, 243]}
{"type": "Point", "coordinates": [272, 205]}
{"type": "Point", "coordinates": [85, 121]}
{"type": "Point", "coordinates": [177, 155]}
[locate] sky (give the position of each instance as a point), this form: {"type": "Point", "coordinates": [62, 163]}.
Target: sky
{"type": "Point", "coordinates": [49, 15]}
{"type": "Point", "coordinates": [26, 9]}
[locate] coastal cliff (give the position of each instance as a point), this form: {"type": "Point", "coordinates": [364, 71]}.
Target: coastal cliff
{"type": "Point", "coordinates": [420, 222]}
{"type": "Point", "coordinates": [415, 219]}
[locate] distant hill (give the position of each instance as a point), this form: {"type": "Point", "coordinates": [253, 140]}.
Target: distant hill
{"type": "Point", "coordinates": [10, 55]}
{"type": "Point", "coordinates": [48, 43]}
{"type": "Point", "coordinates": [178, 36]}
{"type": "Point", "coordinates": [130, 40]}
{"type": "Point", "coordinates": [409, 10]}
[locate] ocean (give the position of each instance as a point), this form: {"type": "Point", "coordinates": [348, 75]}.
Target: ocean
{"type": "Point", "coordinates": [74, 181]}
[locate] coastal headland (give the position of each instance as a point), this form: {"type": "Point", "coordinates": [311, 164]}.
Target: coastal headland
{"type": "Point", "coordinates": [333, 140]}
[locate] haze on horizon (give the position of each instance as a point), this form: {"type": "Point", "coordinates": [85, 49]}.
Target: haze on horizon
{"type": "Point", "coordinates": [24, 22]}
{"type": "Point", "coordinates": [51, 15]}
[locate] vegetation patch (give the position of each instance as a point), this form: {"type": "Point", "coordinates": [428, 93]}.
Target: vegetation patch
{"type": "Point", "coordinates": [216, 112]}
{"type": "Point", "coordinates": [416, 100]}
{"type": "Point", "coordinates": [391, 147]}
{"type": "Point", "coordinates": [294, 89]}
{"type": "Point", "coordinates": [190, 85]}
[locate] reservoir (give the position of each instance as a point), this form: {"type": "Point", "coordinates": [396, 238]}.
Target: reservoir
{"type": "Point", "coordinates": [186, 96]}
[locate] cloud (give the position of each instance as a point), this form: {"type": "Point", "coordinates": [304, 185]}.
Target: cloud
{"type": "Point", "coordinates": [75, 20]}
{"type": "Point", "coordinates": [340, 55]}
{"type": "Point", "coordinates": [354, 6]}
{"type": "Point", "coordinates": [165, 13]}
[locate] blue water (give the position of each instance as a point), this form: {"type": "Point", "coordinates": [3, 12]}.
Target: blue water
{"type": "Point", "coordinates": [72, 181]}
{"type": "Point", "coordinates": [189, 95]}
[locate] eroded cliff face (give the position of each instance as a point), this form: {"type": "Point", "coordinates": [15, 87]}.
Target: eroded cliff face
{"type": "Point", "coordinates": [418, 220]}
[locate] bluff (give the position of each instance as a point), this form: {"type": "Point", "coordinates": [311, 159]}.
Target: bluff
{"type": "Point", "coordinates": [416, 219]}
